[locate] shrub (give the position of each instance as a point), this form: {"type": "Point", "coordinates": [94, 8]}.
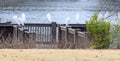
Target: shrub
{"type": "Point", "coordinates": [115, 31]}
{"type": "Point", "coordinates": [98, 30]}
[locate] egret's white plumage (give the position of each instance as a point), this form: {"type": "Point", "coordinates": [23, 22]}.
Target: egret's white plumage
{"type": "Point", "coordinates": [67, 20]}
{"type": "Point", "coordinates": [20, 20]}
{"type": "Point", "coordinates": [77, 16]}
{"type": "Point", "coordinates": [16, 19]}
{"type": "Point", "coordinates": [49, 17]}
{"type": "Point", "coordinates": [23, 16]}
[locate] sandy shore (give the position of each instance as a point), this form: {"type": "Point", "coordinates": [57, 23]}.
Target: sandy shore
{"type": "Point", "coordinates": [58, 55]}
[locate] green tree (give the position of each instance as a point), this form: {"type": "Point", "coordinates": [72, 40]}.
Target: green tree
{"type": "Point", "coordinates": [98, 30]}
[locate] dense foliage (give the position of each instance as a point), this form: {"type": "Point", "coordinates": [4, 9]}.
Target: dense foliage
{"type": "Point", "coordinates": [115, 31]}
{"type": "Point", "coordinates": [98, 30]}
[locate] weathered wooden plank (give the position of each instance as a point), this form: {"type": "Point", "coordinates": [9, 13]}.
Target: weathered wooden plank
{"type": "Point", "coordinates": [81, 34]}
{"type": "Point", "coordinates": [53, 32]}
{"type": "Point", "coordinates": [59, 37]}
{"type": "Point", "coordinates": [37, 24]}
{"type": "Point", "coordinates": [63, 28]}
{"type": "Point", "coordinates": [73, 37]}
{"type": "Point", "coordinates": [66, 38]}
{"type": "Point", "coordinates": [73, 25]}
{"type": "Point", "coordinates": [32, 40]}
{"type": "Point", "coordinates": [70, 30]}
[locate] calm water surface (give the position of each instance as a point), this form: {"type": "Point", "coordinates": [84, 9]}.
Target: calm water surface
{"type": "Point", "coordinates": [36, 11]}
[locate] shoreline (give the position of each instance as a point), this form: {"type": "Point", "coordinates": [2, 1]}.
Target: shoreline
{"type": "Point", "coordinates": [59, 55]}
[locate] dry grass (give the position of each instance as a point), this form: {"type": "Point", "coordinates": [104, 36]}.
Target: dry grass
{"type": "Point", "coordinates": [58, 55]}
{"type": "Point", "coordinates": [16, 42]}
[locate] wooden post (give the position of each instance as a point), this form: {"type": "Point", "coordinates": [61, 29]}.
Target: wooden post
{"type": "Point", "coordinates": [59, 38]}
{"type": "Point", "coordinates": [15, 31]}
{"type": "Point", "coordinates": [32, 40]}
{"type": "Point", "coordinates": [15, 37]}
{"type": "Point", "coordinates": [20, 35]}
{"type": "Point", "coordinates": [66, 37]}
{"type": "Point", "coordinates": [75, 39]}
{"type": "Point", "coordinates": [53, 32]}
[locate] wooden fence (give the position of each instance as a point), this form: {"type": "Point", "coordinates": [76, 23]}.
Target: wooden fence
{"type": "Point", "coordinates": [13, 37]}
{"type": "Point", "coordinates": [45, 33]}
{"type": "Point", "coordinates": [70, 37]}
{"type": "Point", "coordinates": [51, 35]}
{"type": "Point", "coordinates": [24, 38]}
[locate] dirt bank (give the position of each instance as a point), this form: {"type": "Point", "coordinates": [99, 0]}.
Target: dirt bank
{"type": "Point", "coordinates": [58, 55]}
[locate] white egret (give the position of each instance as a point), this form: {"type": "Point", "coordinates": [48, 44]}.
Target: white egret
{"type": "Point", "coordinates": [67, 20]}
{"type": "Point", "coordinates": [15, 18]}
{"type": "Point", "coordinates": [49, 17]}
{"type": "Point", "coordinates": [21, 20]}
{"type": "Point", "coordinates": [77, 17]}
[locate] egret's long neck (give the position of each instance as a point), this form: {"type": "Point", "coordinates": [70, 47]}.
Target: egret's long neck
{"type": "Point", "coordinates": [77, 16]}
{"type": "Point", "coordinates": [67, 20]}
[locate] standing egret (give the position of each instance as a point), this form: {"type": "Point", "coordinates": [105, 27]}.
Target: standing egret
{"type": "Point", "coordinates": [16, 19]}
{"type": "Point", "coordinates": [67, 20]}
{"type": "Point", "coordinates": [23, 19]}
{"type": "Point", "coordinates": [49, 17]}
{"type": "Point", "coordinates": [77, 17]}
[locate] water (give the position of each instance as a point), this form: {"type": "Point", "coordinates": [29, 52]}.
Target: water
{"type": "Point", "coordinates": [37, 10]}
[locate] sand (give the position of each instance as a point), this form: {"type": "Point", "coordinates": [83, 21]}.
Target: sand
{"type": "Point", "coordinates": [59, 55]}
